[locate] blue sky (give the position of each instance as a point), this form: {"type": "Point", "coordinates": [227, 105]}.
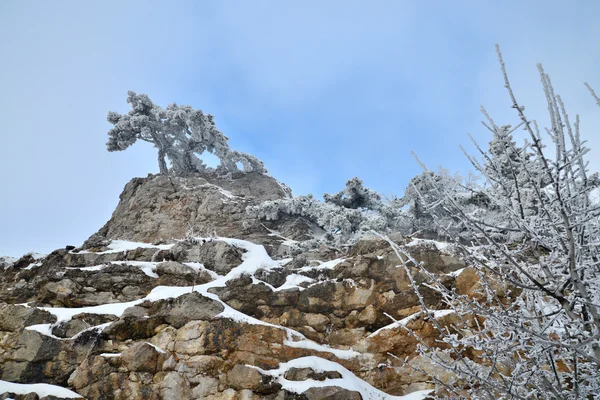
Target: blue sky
{"type": "Point", "coordinates": [320, 91]}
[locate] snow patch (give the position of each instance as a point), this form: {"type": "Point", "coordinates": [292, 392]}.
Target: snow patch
{"type": "Point", "coordinates": [92, 268]}
{"type": "Point", "coordinates": [117, 246]}
{"type": "Point", "coordinates": [147, 267]}
{"type": "Point", "coordinates": [310, 345]}
{"type": "Point", "coordinates": [323, 265]}
{"type": "Point", "coordinates": [441, 246]}
{"type": "Point", "coordinates": [349, 381]}
{"type": "Point", "coordinates": [294, 281]}
{"type": "Point", "coordinates": [196, 266]}
{"type": "Point", "coordinates": [33, 265]}
{"type": "Point", "coordinates": [456, 273]}
{"type": "Point", "coordinates": [42, 389]}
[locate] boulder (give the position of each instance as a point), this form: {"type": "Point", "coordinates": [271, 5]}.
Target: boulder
{"type": "Point", "coordinates": [174, 268]}
{"type": "Point", "coordinates": [246, 377]}
{"type": "Point", "coordinates": [143, 357]}
{"type": "Point", "coordinates": [216, 255]}
{"type": "Point", "coordinates": [331, 393]}
{"type": "Point", "coordinates": [15, 317]}
{"type": "Point", "coordinates": [302, 374]}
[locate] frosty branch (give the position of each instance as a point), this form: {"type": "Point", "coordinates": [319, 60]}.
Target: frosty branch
{"type": "Point", "coordinates": [181, 135]}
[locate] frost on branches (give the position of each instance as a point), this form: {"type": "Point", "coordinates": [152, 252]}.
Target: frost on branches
{"type": "Point", "coordinates": [530, 328]}
{"type": "Point", "coordinates": [180, 133]}
{"type": "Point", "coordinates": [345, 216]}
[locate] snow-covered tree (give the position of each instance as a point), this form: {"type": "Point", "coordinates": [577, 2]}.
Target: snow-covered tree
{"type": "Point", "coordinates": [180, 133]}
{"type": "Point", "coordinates": [530, 328]}
{"type": "Point", "coordinates": [345, 216]}
{"type": "Point", "coordinates": [355, 196]}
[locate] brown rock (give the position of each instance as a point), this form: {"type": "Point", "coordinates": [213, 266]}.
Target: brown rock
{"type": "Point", "coordinates": [14, 317]}
{"type": "Point", "coordinates": [142, 357]}
{"type": "Point", "coordinates": [245, 377]}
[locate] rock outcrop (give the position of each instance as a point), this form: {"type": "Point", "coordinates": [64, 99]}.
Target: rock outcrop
{"type": "Point", "coordinates": [160, 208]}
{"type": "Point", "coordinates": [147, 310]}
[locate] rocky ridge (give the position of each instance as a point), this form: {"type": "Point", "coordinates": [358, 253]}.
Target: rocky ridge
{"type": "Point", "coordinates": [181, 296]}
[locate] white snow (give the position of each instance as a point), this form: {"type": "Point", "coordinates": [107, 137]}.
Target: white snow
{"type": "Point", "coordinates": [310, 345]}
{"type": "Point", "coordinates": [108, 355]}
{"type": "Point", "coordinates": [92, 268]}
{"type": "Point", "coordinates": [323, 265]}
{"type": "Point", "coordinates": [348, 381]}
{"type": "Point", "coordinates": [156, 347]}
{"type": "Point", "coordinates": [147, 267]}
{"type": "Point", "coordinates": [200, 267]}
{"type": "Point", "coordinates": [117, 246]}
{"type": "Point", "coordinates": [294, 281]}
{"type": "Point", "coordinates": [33, 265]}
{"type": "Point", "coordinates": [36, 256]}
{"type": "Point", "coordinates": [44, 329]}
{"type": "Point", "coordinates": [456, 273]}
{"type": "Point", "coordinates": [65, 314]}
{"type": "Point", "coordinates": [439, 245]}
{"type": "Point", "coordinates": [42, 389]}
{"type": "Point", "coordinates": [8, 260]}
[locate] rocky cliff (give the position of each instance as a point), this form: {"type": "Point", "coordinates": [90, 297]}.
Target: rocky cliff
{"type": "Point", "coordinates": [182, 296]}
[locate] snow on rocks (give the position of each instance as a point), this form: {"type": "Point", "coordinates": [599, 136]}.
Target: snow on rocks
{"type": "Point", "coordinates": [441, 246]}
{"type": "Point", "coordinates": [41, 389]}
{"type": "Point", "coordinates": [304, 315]}
{"type": "Point", "coordinates": [119, 246]}
{"type": "Point", "coordinates": [348, 381]}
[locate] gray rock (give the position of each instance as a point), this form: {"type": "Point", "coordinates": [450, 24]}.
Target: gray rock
{"type": "Point", "coordinates": [140, 322]}
{"type": "Point", "coordinates": [14, 317]}
{"type": "Point", "coordinates": [60, 292]}
{"type": "Point", "coordinates": [130, 291]}
{"type": "Point", "coordinates": [174, 268]}
{"type": "Point", "coordinates": [302, 374]}
{"type": "Point", "coordinates": [216, 255]}
{"type": "Point", "coordinates": [79, 323]}
{"type": "Point", "coordinates": [331, 393]}
{"type": "Point", "coordinates": [162, 207]}
{"type": "Point", "coordinates": [142, 357]}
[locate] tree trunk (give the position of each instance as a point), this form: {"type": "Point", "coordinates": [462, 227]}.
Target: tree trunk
{"type": "Point", "coordinates": [162, 164]}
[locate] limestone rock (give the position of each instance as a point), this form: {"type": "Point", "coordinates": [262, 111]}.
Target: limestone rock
{"type": "Point", "coordinates": [162, 207]}
{"type": "Point", "coordinates": [15, 317]}
{"type": "Point", "coordinates": [140, 322]}
{"type": "Point", "coordinates": [331, 393]}
{"type": "Point", "coordinates": [142, 357]}
{"type": "Point", "coordinates": [174, 268]}
{"type": "Point", "coordinates": [302, 374]}
{"type": "Point", "coordinates": [245, 377]}
{"type": "Point", "coordinates": [215, 255]}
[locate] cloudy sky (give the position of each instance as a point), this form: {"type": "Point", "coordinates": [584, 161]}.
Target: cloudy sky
{"type": "Point", "coordinates": [321, 91]}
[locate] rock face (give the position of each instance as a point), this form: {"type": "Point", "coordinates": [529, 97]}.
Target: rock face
{"type": "Point", "coordinates": [160, 207]}
{"type": "Point", "coordinates": [162, 316]}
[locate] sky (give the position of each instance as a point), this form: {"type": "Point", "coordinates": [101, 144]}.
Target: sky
{"type": "Point", "coordinates": [320, 91]}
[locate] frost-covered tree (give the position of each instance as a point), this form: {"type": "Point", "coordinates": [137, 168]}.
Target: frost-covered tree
{"type": "Point", "coordinates": [345, 216]}
{"type": "Point", "coordinates": [180, 133]}
{"type": "Point", "coordinates": [355, 196]}
{"type": "Point", "coordinates": [531, 327]}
